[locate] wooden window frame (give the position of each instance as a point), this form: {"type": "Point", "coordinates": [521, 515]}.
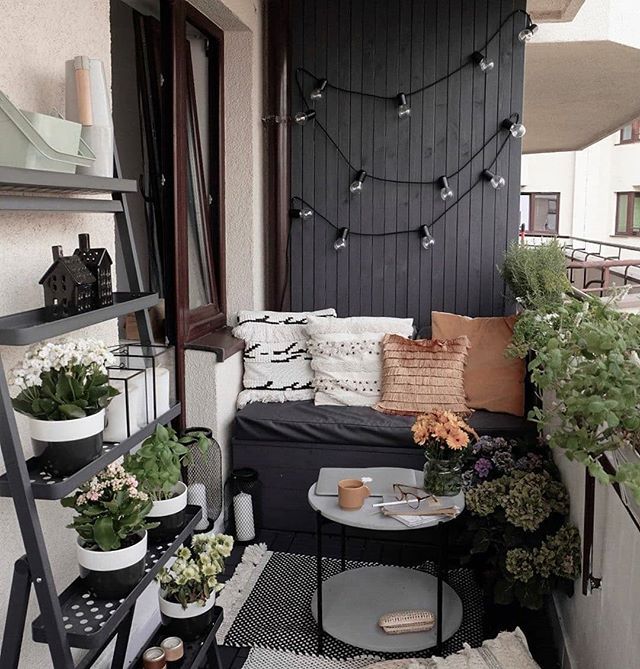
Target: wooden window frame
{"type": "Point", "coordinates": [635, 133]}
{"type": "Point", "coordinates": [532, 213]}
{"type": "Point", "coordinates": [631, 197]}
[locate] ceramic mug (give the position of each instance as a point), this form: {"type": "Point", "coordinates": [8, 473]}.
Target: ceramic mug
{"type": "Point", "coordinates": [351, 494]}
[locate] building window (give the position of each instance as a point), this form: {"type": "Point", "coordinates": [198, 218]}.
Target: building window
{"type": "Point", "coordinates": [539, 212]}
{"type": "Point", "coordinates": [630, 133]}
{"type": "Point", "coordinates": [628, 214]}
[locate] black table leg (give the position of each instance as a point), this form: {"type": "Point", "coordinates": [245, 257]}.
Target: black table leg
{"type": "Point", "coordinates": [343, 547]}
{"type": "Point", "coordinates": [319, 578]}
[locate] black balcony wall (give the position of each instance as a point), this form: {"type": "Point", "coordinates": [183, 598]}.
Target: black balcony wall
{"type": "Point", "coordinates": [388, 46]}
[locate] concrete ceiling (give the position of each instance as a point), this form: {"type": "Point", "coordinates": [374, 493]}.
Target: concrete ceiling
{"type": "Point", "coordinates": [577, 93]}
{"type": "Point", "coordinates": [546, 11]}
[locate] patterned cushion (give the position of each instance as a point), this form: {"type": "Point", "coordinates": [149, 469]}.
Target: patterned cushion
{"type": "Point", "coordinates": [346, 355]}
{"type": "Point", "coordinates": [276, 360]}
{"type": "Point", "coordinates": [422, 375]}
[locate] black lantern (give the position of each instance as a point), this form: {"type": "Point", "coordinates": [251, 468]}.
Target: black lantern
{"type": "Point", "coordinates": [68, 286]}
{"type": "Point", "coordinates": [98, 262]}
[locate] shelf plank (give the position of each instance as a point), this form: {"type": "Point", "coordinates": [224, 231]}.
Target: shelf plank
{"type": "Point", "coordinates": [88, 621]}
{"type": "Point", "coordinates": [51, 486]}
{"type": "Point", "coordinates": [28, 327]}
{"type": "Point", "coordinates": [58, 204]}
{"type": "Point", "coordinates": [195, 652]}
{"type": "Point", "coordinates": [13, 179]}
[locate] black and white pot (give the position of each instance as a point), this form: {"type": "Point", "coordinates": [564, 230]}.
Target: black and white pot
{"type": "Point", "coordinates": [190, 623]}
{"type": "Point", "coordinates": [67, 445]}
{"type": "Point", "coordinates": [169, 513]}
{"type": "Point", "coordinates": [112, 574]}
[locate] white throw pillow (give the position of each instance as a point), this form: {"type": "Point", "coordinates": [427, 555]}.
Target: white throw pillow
{"type": "Point", "coordinates": [347, 357]}
{"type": "Point", "coordinates": [276, 360]}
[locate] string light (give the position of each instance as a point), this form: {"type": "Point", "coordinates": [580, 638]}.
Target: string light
{"type": "Point", "coordinates": [527, 33]}
{"type": "Point", "coordinates": [426, 239]}
{"type": "Point", "coordinates": [513, 125]}
{"type": "Point", "coordinates": [482, 62]}
{"type": "Point", "coordinates": [446, 193]}
{"type": "Point", "coordinates": [341, 239]}
{"type": "Point", "coordinates": [302, 117]}
{"type": "Point", "coordinates": [304, 213]}
{"type": "Point", "coordinates": [356, 184]}
{"type": "Point", "coordinates": [496, 180]}
{"type": "Point", "coordinates": [404, 109]}
{"type": "Point", "coordinates": [318, 92]}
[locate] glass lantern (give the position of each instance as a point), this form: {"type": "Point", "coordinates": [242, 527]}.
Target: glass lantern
{"type": "Point", "coordinates": [127, 412]}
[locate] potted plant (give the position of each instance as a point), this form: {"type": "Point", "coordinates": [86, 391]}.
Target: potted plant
{"type": "Point", "coordinates": [446, 439]}
{"type": "Point", "coordinates": [188, 587]}
{"type": "Point", "coordinates": [64, 390]}
{"type": "Point", "coordinates": [112, 525]}
{"type": "Point", "coordinates": [157, 466]}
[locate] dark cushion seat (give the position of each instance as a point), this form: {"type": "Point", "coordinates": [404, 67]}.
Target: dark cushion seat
{"type": "Point", "coordinates": [305, 423]}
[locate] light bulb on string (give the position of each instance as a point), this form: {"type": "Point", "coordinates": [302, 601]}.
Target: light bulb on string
{"type": "Point", "coordinates": [404, 109]}
{"type": "Point", "coordinates": [526, 34]}
{"type": "Point", "coordinates": [513, 125]}
{"type": "Point", "coordinates": [446, 193]}
{"type": "Point", "coordinates": [318, 92]}
{"type": "Point", "coordinates": [482, 61]}
{"type": "Point", "coordinates": [341, 239]}
{"type": "Point", "coordinates": [302, 117]}
{"type": "Point", "coordinates": [356, 184]}
{"type": "Point", "coordinates": [496, 180]}
{"type": "Point", "coordinates": [426, 239]}
{"type": "Point", "coordinates": [304, 213]}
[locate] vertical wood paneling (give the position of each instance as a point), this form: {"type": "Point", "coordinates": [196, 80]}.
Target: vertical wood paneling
{"type": "Point", "coordinates": [388, 46]}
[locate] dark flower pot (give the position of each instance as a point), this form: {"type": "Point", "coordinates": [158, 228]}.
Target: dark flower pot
{"type": "Point", "coordinates": [66, 446]}
{"type": "Point", "coordinates": [190, 623]}
{"type": "Point", "coordinates": [112, 574]}
{"type": "Point", "coordinates": [169, 513]}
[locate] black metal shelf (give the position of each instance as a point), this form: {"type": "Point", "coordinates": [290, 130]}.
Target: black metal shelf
{"type": "Point", "coordinates": [58, 204]}
{"type": "Point", "coordinates": [46, 485]}
{"type": "Point", "coordinates": [89, 622]}
{"type": "Point", "coordinates": [13, 179]}
{"type": "Point", "coordinates": [195, 652]}
{"type": "Point", "coordinates": [28, 327]}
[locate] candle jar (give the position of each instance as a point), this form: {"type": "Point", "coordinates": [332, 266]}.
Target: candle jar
{"type": "Point", "coordinates": [246, 490]}
{"type": "Point", "coordinates": [126, 413]}
{"type": "Point", "coordinates": [158, 363]}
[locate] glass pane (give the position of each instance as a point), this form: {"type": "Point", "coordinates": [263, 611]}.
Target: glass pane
{"type": "Point", "coordinates": [621, 221]}
{"type": "Point", "coordinates": [626, 134]}
{"type": "Point", "coordinates": [546, 213]}
{"type": "Point", "coordinates": [525, 204]}
{"type": "Point", "coordinates": [636, 213]}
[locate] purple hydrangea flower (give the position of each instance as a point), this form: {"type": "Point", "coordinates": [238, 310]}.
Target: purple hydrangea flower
{"type": "Point", "coordinates": [482, 467]}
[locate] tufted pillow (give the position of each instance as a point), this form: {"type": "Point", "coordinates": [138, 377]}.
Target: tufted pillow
{"type": "Point", "coordinates": [422, 375]}
{"type": "Point", "coordinates": [276, 360]}
{"type": "Point", "coordinates": [346, 357]}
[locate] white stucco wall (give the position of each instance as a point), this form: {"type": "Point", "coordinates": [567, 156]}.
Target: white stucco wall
{"type": "Point", "coordinates": [36, 37]}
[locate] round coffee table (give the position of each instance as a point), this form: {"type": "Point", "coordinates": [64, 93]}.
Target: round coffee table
{"type": "Point", "coordinates": [348, 606]}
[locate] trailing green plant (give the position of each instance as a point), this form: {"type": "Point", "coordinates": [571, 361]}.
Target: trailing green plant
{"type": "Point", "coordinates": [193, 576]}
{"type": "Point", "coordinates": [63, 380]}
{"type": "Point", "coordinates": [517, 524]}
{"type": "Point", "coordinates": [111, 509]}
{"type": "Point", "coordinates": [586, 367]}
{"type": "Point", "coordinates": [157, 463]}
{"type": "Point", "coordinates": [536, 275]}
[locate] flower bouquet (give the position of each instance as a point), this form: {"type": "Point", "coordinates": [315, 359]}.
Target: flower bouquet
{"type": "Point", "coordinates": [446, 439]}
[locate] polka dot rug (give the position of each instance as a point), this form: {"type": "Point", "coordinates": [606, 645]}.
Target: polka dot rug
{"type": "Point", "coordinates": [272, 608]}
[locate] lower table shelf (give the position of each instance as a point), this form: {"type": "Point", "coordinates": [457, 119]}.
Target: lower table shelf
{"type": "Point", "coordinates": [195, 652]}
{"type": "Point", "coordinates": [89, 622]}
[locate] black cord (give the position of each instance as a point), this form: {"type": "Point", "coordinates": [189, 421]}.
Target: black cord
{"type": "Point", "coordinates": [426, 86]}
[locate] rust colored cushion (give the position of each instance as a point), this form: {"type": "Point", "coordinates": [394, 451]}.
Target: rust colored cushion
{"type": "Point", "coordinates": [492, 381]}
{"type": "Point", "coordinates": [421, 375]}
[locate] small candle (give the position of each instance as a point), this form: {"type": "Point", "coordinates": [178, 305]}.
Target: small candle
{"type": "Point", "coordinates": [119, 424]}
{"type": "Point", "coordinates": [154, 658]}
{"type": "Point", "coordinates": [173, 648]}
{"type": "Point", "coordinates": [158, 392]}
{"type": "Point", "coordinates": [243, 514]}
{"type": "Point", "coordinates": [197, 494]}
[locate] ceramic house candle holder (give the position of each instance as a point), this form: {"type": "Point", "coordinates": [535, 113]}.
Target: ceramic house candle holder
{"type": "Point", "coordinates": [127, 412]}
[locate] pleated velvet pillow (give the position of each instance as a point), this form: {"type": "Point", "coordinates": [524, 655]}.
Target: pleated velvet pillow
{"type": "Point", "coordinates": [423, 374]}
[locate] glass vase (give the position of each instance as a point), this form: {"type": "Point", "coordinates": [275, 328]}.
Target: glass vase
{"type": "Point", "coordinates": [442, 477]}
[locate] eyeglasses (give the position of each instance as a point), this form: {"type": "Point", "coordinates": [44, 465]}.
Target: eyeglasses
{"type": "Point", "coordinates": [411, 495]}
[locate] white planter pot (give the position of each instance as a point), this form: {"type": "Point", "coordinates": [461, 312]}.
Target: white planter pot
{"type": "Point", "coordinates": [68, 445]}
{"type": "Point", "coordinates": [169, 513]}
{"type": "Point", "coordinates": [189, 623]}
{"type": "Point", "coordinates": [112, 574]}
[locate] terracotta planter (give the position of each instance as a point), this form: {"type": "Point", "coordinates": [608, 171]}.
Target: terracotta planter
{"type": "Point", "coordinates": [189, 623]}
{"type": "Point", "coordinates": [66, 446]}
{"type": "Point", "coordinates": [112, 574]}
{"type": "Point", "coordinates": [169, 513]}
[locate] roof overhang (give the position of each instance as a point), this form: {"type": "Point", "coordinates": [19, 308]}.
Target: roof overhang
{"type": "Point", "coordinates": [554, 11]}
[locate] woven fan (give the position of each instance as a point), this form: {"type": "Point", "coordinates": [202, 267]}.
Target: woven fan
{"type": "Point", "coordinates": [403, 622]}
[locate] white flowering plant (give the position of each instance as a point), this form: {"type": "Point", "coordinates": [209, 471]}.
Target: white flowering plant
{"type": "Point", "coordinates": [63, 380]}
{"type": "Point", "coordinates": [111, 509]}
{"type": "Point", "coordinates": [193, 576]}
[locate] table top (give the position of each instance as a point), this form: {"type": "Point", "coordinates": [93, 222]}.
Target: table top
{"type": "Point", "coordinates": [368, 518]}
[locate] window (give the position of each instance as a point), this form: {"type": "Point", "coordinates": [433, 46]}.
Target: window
{"type": "Point", "coordinates": [628, 214]}
{"type": "Point", "coordinates": [539, 212]}
{"type": "Point", "coordinates": [630, 133]}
